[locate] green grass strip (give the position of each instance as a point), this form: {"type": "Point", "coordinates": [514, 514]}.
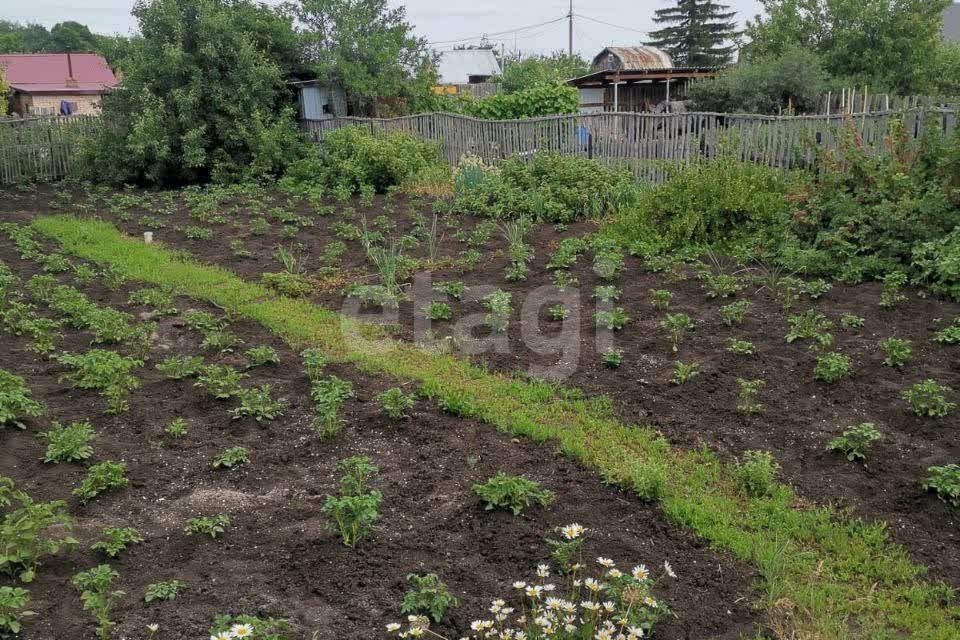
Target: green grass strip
{"type": "Point", "coordinates": [825, 576]}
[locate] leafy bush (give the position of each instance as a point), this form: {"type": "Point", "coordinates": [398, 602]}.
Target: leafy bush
{"type": "Point", "coordinates": [831, 367]}
{"type": "Point", "coordinates": [733, 313]}
{"type": "Point", "coordinates": [498, 305]}
{"type": "Point", "coordinates": [898, 351]}
{"type": "Point", "coordinates": [329, 394]}
{"type": "Point", "coordinates": [945, 481]}
{"type": "Point", "coordinates": [538, 100]}
{"type": "Point", "coordinates": [30, 531]}
{"type": "Point", "coordinates": [68, 443]}
{"type": "Point", "coordinates": [100, 478]}
{"type": "Point", "coordinates": [929, 399]}
{"type": "Point", "coordinates": [949, 335]}
{"type": "Point", "coordinates": [613, 320]}
{"type": "Point", "coordinates": [353, 157]}
{"type": "Point", "coordinates": [855, 441]}
{"type": "Point", "coordinates": [354, 511]}
{"type": "Point", "coordinates": [15, 401]}
{"type": "Point", "coordinates": [546, 187]}
{"type": "Point", "coordinates": [515, 493]}
{"type": "Point", "coordinates": [429, 596]}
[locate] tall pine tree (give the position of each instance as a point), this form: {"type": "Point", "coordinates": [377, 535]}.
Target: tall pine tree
{"type": "Point", "coordinates": [698, 34]}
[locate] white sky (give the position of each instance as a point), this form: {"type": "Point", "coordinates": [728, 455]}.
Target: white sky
{"type": "Point", "coordinates": [437, 20]}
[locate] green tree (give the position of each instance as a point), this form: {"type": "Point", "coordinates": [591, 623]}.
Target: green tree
{"type": "Point", "coordinates": [523, 73]}
{"type": "Point", "coordinates": [698, 34]}
{"type": "Point", "coordinates": [365, 47]}
{"type": "Point", "coordinates": [24, 38]}
{"type": "Point", "coordinates": [793, 80]}
{"type": "Point", "coordinates": [4, 94]}
{"type": "Point", "coordinates": [889, 44]}
{"type": "Point", "coordinates": [72, 36]}
{"type": "Point", "coordinates": [202, 98]}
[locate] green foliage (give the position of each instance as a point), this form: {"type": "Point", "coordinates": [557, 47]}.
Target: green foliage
{"type": "Point", "coordinates": [945, 481]}
{"type": "Point", "coordinates": [812, 325]}
{"type": "Point", "coordinates": [557, 67]}
{"type": "Point", "coordinates": [612, 358]}
{"type": "Point", "coordinates": [756, 472]}
{"type": "Point", "coordinates": [160, 300]}
{"type": "Point", "coordinates": [213, 526]}
{"type": "Point", "coordinates": [696, 33]}
{"type": "Point", "coordinates": [30, 531]}
{"type": "Point", "coordinates": [105, 371]}
{"type": "Point", "coordinates": [177, 428]}
{"type": "Point", "coordinates": [740, 347]}
{"type": "Point", "coordinates": [329, 394]}
{"type": "Point", "coordinates": [220, 381]}
{"type": "Point", "coordinates": [546, 187]}
{"type": "Point", "coordinates": [314, 362]}
{"type": "Point", "coordinates": [683, 372]}
{"type": "Point", "coordinates": [515, 493]}
{"type": "Point", "coordinates": [100, 478]}
{"type": "Point", "coordinates": [353, 157]}
{"type": "Point", "coordinates": [354, 512]}
{"type": "Point", "coordinates": [855, 441]}
{"type": "Point", "coordinates": [429, 596]}
{"type": "Point", "coordinates": [677, 325]}
{"type": "Point", "coordinates": [396, 403]}
{"type": "Point", "coordinates": [68, 443]}
{"type": "Point", "coordinates": [203, 97]}
{"type": "Point", "coordinates": [163, 591]}
{"type": "Point", "coordinates": [894, 54]}
{"type": "Point", "coordinates": [531, 102]}
{"type": "Point", "coordinates": [498, 305]}
{"type": "Point", "coordinates": [898, 351]}
{"type": "Point", "coordinates": [256, 403]}
{"type": "Point", "coordinates": [13, 600]}
{"type": "Point", "coordinates": [180, 367]}
{"type": "Point", "coordinates": [438, 311]}
{"type": "Point", "coordinates": [929, 399]}
{"type": "Point", "coordinates": [15, 401]}
{"type": "Point", "coordinates": [851, 321]}
{"type": "Point", "coordinates": [949, 335]}
{"type": "Point", "coordinates": [262, 355]}
{"type": "Point", "coordinates": [292, 285]}
{"type": "Point", "coordinates": [614, 319]}
{"type": "Point", "coordinates": [831, 367]}
{"type": "Point", "coordinates": [452, 289]}
{"type": "Point", "coordinates": [748, 393]}
{"type": "Point", "coordinates": [98, 599]}
{"type": "Point", "coordinates": [733, 313]}
{"type": "Point", "coordinates": [792, 81]}
{"type": "Point", "coordinates": [558, 312]}
{"type": "Point", "coordinates": [263, 628]}
{"type": "Point", "coordinates": [660, 298]}
{"type": "Point", "coordinates": [113, 540]}
{"type": "Point", "coordinates": [231, 458]}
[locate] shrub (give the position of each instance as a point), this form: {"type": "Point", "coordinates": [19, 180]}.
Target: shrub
{"type": "Point", "coordinates": [812, 325]}
{"type": "Point", "coordinates": [831, 367]}
{"type": "Point", "coordinates": [855, 441]}
{"type": "Point", "coordinates": [756, 472]}
{"type": "Point", "coordinates": [30, 531]}
{"type": "Point", "coordinates": [98, 599]}
{"type": "Point", "coordinates": [515, 493]}
{"type": "Point", "coordinates": [452, 289]}
{"type": "Point", "coordinates": [851, 321]}
{"type": "Point", "coordinates": [314, 362]}
{"type": "Point", "coordinates": [15, 401]}
{"type": "Point", "coordinates": [354, 511]}
{"type": "Point", "coordinates": [177, 428]}
{"type": "Point", "coordinates": [929, 399]}
{"type": "Point", "coordinates": [353, 157]}
{"type": "Point", "coordinates": [558, 312]}
{"type": "Point", "coordinates": [13, 609]}
{"type": "Point", "coordinates": [945, 482]}
{"type": "Point", "coordinates": [329, 394]}
{"type": "Point", "coordinates": [231, 458]}
{"type": "Point", "coordinates": [213, 526]}
{"type": "Point", "coordinates": [429, 596]}
{"type": "Point", "coordinates": [113, 540]}
{"type": "Point", "coordinates": [396, 403]}
{"type": "Point", "coordinates": [538, 100]}
{"type": "Point", "coordinates": [70, 443]}
{"type": "Point", "coordinates": [100, 478]}
{"type": "Point", "coordinates": [898, 351]}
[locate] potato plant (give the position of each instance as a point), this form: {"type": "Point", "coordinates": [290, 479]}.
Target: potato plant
{"type": "Point", "coordinates": [213, 526]}
{"type": "Point", "coordinates": [855, 441]}
{"type": "Point", "coordinates": [354, 511]}
{"type": "Point", "coordinates": [945, 482]}
{"type": "Point", "coordinates": [30, 531]}
{"type": "Point", "coordinates": [429, 596]}
{"type": "Point", "coordinates": [97, 597]}
{"type": "Point", "coordinates": [15, 401]}
{"type": "Point", "coordinates": [100, 478]}
{"type": "Point", "coordinates": [898, 351]}
{"type": "Point", "coordinates": [929, 399]}
{"type": "Point", "coordinates": [114, 540]}
{"type": "Point", "coordinates": [13, 610]}
{"type": "Point", "coordinates": [68, 443]}
{"type": "Point", "coordinates": [396, 403]}
{"type": "Point", "coordinates": [513, 493]}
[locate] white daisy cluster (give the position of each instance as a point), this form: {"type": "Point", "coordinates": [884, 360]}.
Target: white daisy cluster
{"type": "Point", "coordinates": [236, 632]}
{"type": "Point", "coordinates": [597, 601]}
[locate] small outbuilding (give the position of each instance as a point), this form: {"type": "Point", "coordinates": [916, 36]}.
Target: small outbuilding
{"type": "Point", "coordinates": [637, 78]}
{"type": "Point", "coordinates": [319, 101]}
{"type": "Point", "coordinates": [50, 84]}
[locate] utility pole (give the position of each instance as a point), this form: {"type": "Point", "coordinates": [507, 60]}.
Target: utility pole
{"type": "Point", "coordinates": [570, 34]}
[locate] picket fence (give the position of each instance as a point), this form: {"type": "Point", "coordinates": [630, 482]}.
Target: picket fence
{"type": "Point", "coordinates": [45, 149]}
{"type": "Point", "coordinates": [647, 143]}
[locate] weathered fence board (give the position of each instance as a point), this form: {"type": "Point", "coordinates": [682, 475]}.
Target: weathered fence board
{"type": "Point", "coordinates": [643, 140]}
{"type": "Point", "coordinates": [41, 149]}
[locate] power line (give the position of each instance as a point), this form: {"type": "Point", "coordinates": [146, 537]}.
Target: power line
{"type": "Point", "coordinates": [500, 33]}
{"type": "Point", "coordinates": [610, 24]}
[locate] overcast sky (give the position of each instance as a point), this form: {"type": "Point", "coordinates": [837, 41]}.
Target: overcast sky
{"type": "Point", "coordinates": [437, 20]}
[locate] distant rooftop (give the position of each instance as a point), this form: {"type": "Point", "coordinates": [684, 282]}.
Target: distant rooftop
{"type": "Point", "coordinates": [456, 67]}
{"type": "Point", "coordinates": [57, 72]}
{"type": "Point", "coordinates": [631, 59]}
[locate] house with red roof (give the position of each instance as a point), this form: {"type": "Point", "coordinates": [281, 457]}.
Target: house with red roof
{"type": "Point", "coordinates": [56, 83]}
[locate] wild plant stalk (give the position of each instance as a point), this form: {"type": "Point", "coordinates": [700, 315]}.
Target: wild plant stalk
{"type": "Point", "coordinates": [387, 262]}
{"type": "Point", "coordinates": [433, 238]}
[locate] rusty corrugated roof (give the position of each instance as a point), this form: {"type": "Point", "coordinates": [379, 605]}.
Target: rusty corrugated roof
{"type": "Point", "coordinates": [631, 58]}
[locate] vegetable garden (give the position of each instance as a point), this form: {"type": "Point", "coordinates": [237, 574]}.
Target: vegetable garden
{"type": "Point", "coordinates": [385, 398]}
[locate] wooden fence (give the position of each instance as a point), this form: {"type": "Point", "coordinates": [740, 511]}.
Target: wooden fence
{"type": "Point", "coordinates": [41, 149]}
{"type": "Point", "coordinates": [859, 100]}
{"type": "Point", "coordinates": [642, 141]}
{"type": "Point", "coordinates": [44, 149]}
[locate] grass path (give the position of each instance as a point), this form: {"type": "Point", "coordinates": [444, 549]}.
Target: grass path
{"type": "Point", "coordinates": [825, 577]}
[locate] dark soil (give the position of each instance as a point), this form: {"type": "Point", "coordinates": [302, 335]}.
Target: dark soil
{"type": "Point", "coordinates": [278, 558]}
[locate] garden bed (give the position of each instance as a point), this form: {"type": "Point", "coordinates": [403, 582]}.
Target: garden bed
{"type": "Point", "coordinates": [278, 557]}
